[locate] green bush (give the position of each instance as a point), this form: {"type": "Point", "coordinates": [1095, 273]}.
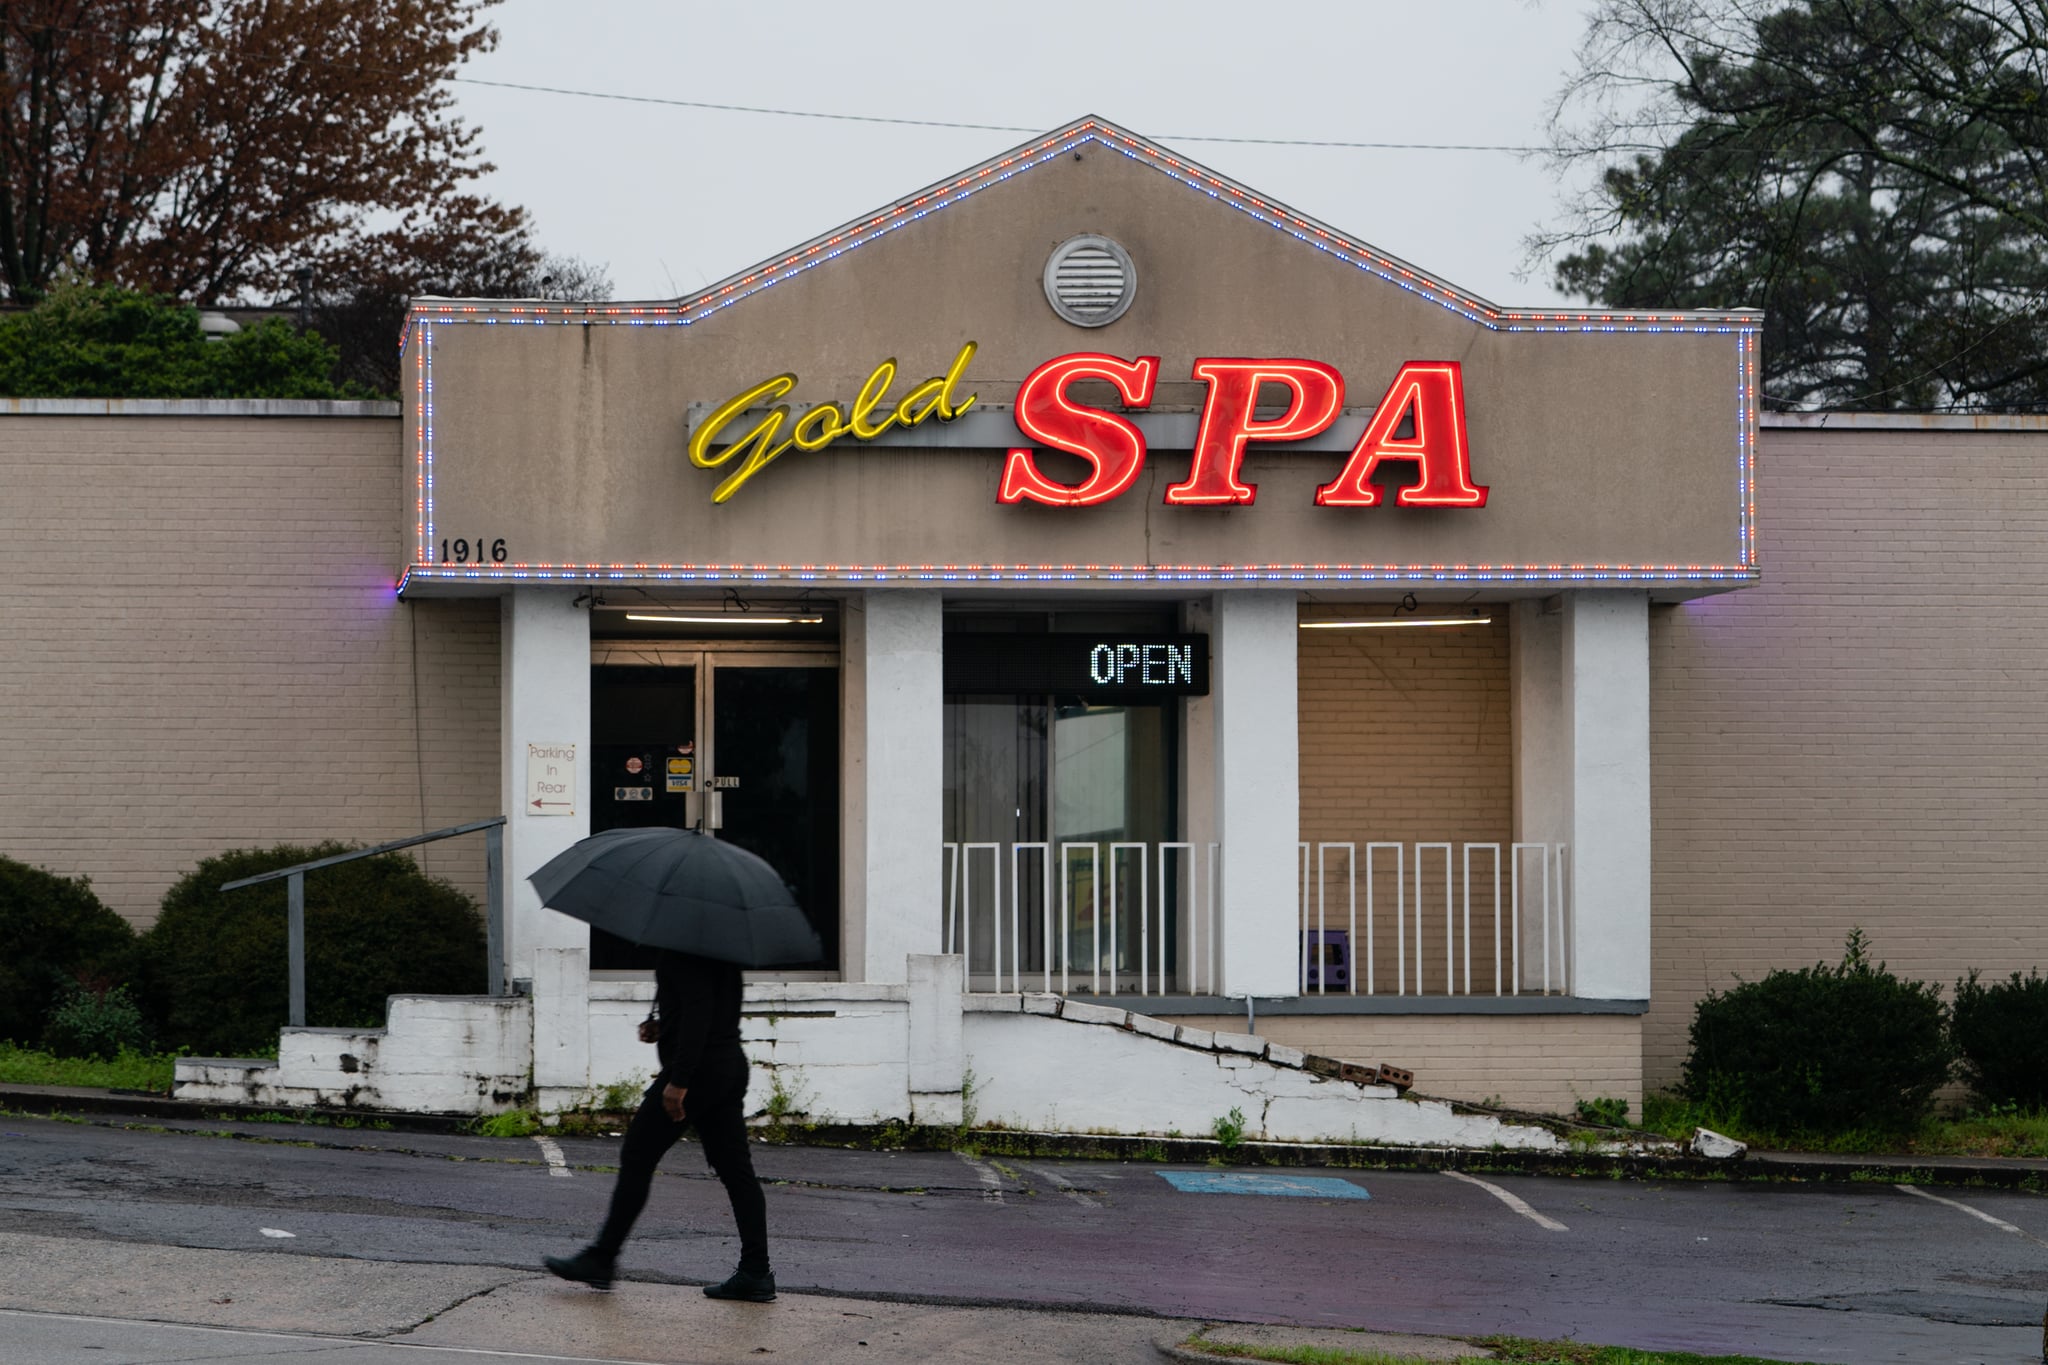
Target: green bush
{"type": "Point", "coordinates": [96, 1021]}
{"type": "Point", "coordinates": [103, 341]}
{"type": "Point", "coordinates": [215, 972]}
{"type": "Point", "coordinates": [53, 930]}
{"type": "Point", "coordinates": [2001, 1033]}
{"type": "Point", "coordinates": [1821, 1050]}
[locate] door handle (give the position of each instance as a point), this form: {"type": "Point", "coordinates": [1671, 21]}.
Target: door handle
{"type": "Point", "coordinates": [714, 809]}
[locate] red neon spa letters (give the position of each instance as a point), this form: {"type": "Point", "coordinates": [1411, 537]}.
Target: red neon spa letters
{"type": "Point", "coordinates": [1433, 392]}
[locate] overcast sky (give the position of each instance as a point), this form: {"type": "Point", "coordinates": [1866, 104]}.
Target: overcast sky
{"type": "Point", "coordinates": [670, 199]}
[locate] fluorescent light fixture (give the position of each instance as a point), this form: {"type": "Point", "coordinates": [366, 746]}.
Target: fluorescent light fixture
{"type": "Point", "coordinates": [730, 619]}
{"type": "Point", "coordinates": [1399, 621]}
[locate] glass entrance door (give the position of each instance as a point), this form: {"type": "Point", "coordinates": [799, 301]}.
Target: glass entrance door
{"type": "Point", "coordinates": [740, 745]}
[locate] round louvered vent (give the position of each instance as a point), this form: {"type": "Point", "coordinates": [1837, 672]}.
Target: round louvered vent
{"type": "Point", "coordinates": [1090, 281]}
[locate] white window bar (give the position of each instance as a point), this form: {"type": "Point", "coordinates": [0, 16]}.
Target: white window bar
{"type": "Point", "coordinates": [1215, 928]}
{"type": "Point", "coordinates": [1400, 911]}
{"type": "Point", "coordinates": [995, 877]}
{"type": "Point", "coordinates": [1017, 852]}
{"type": "Point", "coordinates": [1144, 896]}
{"type": "Point", "coordinates": [1564, 955]}
{"type": "Point", "coordinates": [1301, 917]}
{"type": "Point", "coordinates": [1351, 933]}
{"type": "Point", "coordinates": [1095, 920]}
{"type": "Point", "coordinates": [1450, 945]}
{"type": "Point", "coordinates": [1515, 852]}
{"type": "Point", "coordinates": [1493, 849]}
{"type": "Point", "coordinates": [1187, 898]}
{"type": "Point", "coordinates": [949, 873]}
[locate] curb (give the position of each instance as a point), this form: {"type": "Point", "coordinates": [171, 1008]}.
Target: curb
{"type": "Point", "coordinates": [35, 1099]}
{"type": "Point", "coordinates": [1990, 1173]}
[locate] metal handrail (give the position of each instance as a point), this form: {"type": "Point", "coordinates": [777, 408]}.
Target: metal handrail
{"type": "Point", "coordinates": [295, 900]}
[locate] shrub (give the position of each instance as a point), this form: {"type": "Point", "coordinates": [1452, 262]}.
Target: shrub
{"type": "Point", "coordinates": [1820, 1050]}
{"type": "Point", "coordinates": [1609, 1111]}
{"type": "Point", "coordinates": [52, 930]}
{"type": "Point", "coordinates": [96, 1020]}
{"type": "Point", "coordinates": [2001, 1032]}
{"type": "Point", "coordinates": [215, 970]}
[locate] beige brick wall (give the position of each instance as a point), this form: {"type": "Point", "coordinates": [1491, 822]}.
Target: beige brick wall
{"type": "Point", "coordinates": [1861, 739]}
{"type": "Point", "coordinates": [1405, 736]}
{"type": "Point", "coordinates": [1540, 1062]}
{"type": "Point", "coordinates": [203, 651]}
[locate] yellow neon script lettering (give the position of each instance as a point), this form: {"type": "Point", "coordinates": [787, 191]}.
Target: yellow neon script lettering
{"type": "Point", "coordinates": [758, 443]}
{"type": "Point", "coordinates": [806, 433]}
{"type": "Point", "coordinates": [824, 424]}
{"type": "Point", "coordinates": [870, 394]}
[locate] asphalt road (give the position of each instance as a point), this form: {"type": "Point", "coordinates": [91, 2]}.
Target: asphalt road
{"type": "Point", "coordinates": [415, 1225]}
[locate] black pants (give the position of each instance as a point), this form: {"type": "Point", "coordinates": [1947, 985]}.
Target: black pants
{"type": "Point", "coordinates": [715, 1108]}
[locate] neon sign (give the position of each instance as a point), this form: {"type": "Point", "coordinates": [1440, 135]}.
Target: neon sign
{"type": "Point", "coordinates": [1427, 399]}
{"type": "Point", "coordinates": [823, 424]}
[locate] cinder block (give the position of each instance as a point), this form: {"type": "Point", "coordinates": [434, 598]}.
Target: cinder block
{"type": "Point", "coordinates": [1194, 1037]}
{"type": "Point", "coordinates": [1151, 1027]}
{"type": "Point", "coordinates": [1042, 1004]}
{"type": "Point", "coordinates": [1081, 1012]}
{"type": "Point", "coordinates": [1285, 1056]}
{"type": "Point", "coordinates": [1248, 1043]}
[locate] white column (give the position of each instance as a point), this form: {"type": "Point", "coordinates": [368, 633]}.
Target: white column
{"type": "Point", "coordinates": [1607, 677]}
{"type": "Point", "coordinates": [546, 701]}
{"type": "Point", "coordinates": [1582, 778]}
{"type": "Point", "coordinates": [1253, 652]}
{"type": "Point", "coordinates": [894, 778]}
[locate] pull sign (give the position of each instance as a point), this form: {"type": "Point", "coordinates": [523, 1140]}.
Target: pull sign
{"type": "Point", "coordinates": [1427, 398]}
{"type": "Point", "coordinates": [720, 784]}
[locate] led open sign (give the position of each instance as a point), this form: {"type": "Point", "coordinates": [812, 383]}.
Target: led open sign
{"type": "Point", "coordinates": [1124, 667]}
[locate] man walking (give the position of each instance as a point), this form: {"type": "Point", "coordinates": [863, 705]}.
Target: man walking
{"type": "Point", "coordinates": [703, 1084]}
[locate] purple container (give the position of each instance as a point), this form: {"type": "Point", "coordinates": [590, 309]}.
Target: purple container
{"type": "Point", "coordinates": [1328, 952]}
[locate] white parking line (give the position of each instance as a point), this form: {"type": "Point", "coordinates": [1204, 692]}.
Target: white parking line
{"type": "Point", "coordinates": [1998, 1223]}
{"type": "Point", "coordinates": [992, 1193]}
{"type": "Point", "coordinates": [557, 1164]}
{"type": "Point", "coordinates": [1066, 1186]}
{"type": "Point", "coordinates": [1518, 1205]}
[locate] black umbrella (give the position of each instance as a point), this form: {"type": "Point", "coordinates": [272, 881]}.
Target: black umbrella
{"type": "Point", "coordinates": [676, 888]}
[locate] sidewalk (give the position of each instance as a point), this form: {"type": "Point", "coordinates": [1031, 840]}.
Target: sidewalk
{"type": "Point", "coordinates": [64, 1296]}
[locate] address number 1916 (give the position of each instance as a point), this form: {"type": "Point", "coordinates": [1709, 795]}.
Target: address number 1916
{"type": "Point", "coordinates": [461, 551]}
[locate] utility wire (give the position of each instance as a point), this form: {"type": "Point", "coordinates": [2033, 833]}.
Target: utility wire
{"type": "Point", "coordinates": [976, 127]}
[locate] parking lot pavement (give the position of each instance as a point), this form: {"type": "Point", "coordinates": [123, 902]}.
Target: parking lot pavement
{"type": "Point", "coordinates": [1854, 1273]}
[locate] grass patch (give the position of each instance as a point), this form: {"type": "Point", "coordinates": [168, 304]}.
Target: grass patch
{"type": "Point", "coordinates": [130, 1070]}
{"type": "Point", "coordinates": [1514, 1350]}
{"type": "Point", "coordinates": [513, 1123]}
{"type": "Point", "coordinates": [1999, 1131]}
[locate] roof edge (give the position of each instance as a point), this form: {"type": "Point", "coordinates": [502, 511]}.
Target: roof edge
{"type": "Point", "coordinates": [1089, 127]}
{"type": "Point", "coordinates": [195, 407]}
{"type": "Point", "coordinates": [1903, 421]}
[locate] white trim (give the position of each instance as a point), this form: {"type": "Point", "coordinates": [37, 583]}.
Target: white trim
{"type": "Point", "coordinates": [195, 407]}
{"type": "Point", "coordinates": [1903, 421]}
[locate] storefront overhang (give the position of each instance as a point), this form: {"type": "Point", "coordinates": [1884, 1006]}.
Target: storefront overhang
{"type": "Point", "coordinates": [905, 401]}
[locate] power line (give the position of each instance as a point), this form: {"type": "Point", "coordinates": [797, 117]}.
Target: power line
{"type": "Point", "coordinates": [977, 127]}
{"type": "Point", "coordinates": [882, 119]}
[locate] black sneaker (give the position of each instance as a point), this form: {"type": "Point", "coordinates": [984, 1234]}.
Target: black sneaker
{"type": "Point", "coordinates": [744, 1287]}
{"type": "Point", "coordinates": [588, 1266]}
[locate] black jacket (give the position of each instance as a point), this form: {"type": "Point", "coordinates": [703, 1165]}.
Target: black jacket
{"type": "Point", "coordinates": [697, 1002]}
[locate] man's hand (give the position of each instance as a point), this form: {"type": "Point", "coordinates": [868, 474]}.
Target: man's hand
{"type": "Point", "coordinates": [672, 1101]}
{"type": "Point", "coordinates": [650, 1030]}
